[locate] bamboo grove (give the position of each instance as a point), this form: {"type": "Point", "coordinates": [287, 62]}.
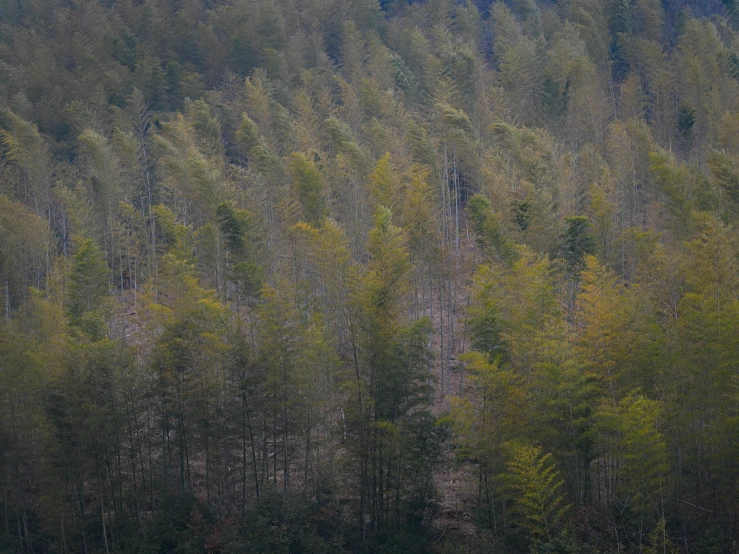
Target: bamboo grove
{"type": "Point", "coordinates": [357, 276]}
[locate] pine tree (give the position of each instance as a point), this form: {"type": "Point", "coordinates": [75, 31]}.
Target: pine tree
{"type": "Point", "coordinates": [576, 243]}
{"type": "Point", "coordinates": [88, 287]}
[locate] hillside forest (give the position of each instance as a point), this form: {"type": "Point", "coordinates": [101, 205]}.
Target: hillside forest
{"type": "Point", "coordinates": [357, 276]}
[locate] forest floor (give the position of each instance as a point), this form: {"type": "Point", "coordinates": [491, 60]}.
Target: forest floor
{"type": "Point", "coordinates": [456, 484]}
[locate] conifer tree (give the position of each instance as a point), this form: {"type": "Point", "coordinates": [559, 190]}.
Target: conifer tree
{"type": "Point", "coordinates": [88, 286]}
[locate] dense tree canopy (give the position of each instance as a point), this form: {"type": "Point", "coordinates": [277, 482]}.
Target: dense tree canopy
{"type": "Point", "coordinates": [369, 276]}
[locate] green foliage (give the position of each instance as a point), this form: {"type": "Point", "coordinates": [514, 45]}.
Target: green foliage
{"type": "Point", "coordinates": [487, 228]}
{"type": "Point", "coordinates": [237, 230]}
{"type": "Point", "coordinates": [732, 9]}
{"type": "Point", "coordinates": [641, 450]}
{"type": "Point", "coordinates": [534, 485]}
{"type": "Point", "coordinates": [308, 185]}
{"type": "Point", "coordinates": [275, 525]}
{"type": "Point", "coordinates": [88, 287]}
{"type": "Point", "coordinates": [724, 170]}
{"type": "Point", "coordinates": [390, 264]}
{"type": "Point", "coordinates": [247, 135]}
{"type": "Point", "coordinates": [487, 419]}
{"type": "Point", "coordinates": [172, 527]}
{"type": "Point", "coordinates": [384, 182]}
{"type": "Point", "coordinates": [23, 248]}
{"type": "Point", "coordinates": [685, 122]}
{"type": "Point", "coordinates": [300, 217]}
{"type": "Point", "coordinates": [486, 326]}
{"type": "Point", "coordinates": [553, 99]}
{"type": "Point", "coordinates": [577, 242]}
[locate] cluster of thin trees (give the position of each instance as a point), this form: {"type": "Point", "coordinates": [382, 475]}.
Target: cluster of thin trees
{"type": "Point", "coordinates": [318, 259]}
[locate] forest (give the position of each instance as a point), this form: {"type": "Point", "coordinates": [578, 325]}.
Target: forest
{"type": "Point", "coordinates": [358, 276]}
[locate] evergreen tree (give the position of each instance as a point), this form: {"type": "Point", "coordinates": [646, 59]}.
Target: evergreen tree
{"type": "Point", "coordinates": [88, 287]}
{"type": "Point", "coordinates": [308, 185]}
